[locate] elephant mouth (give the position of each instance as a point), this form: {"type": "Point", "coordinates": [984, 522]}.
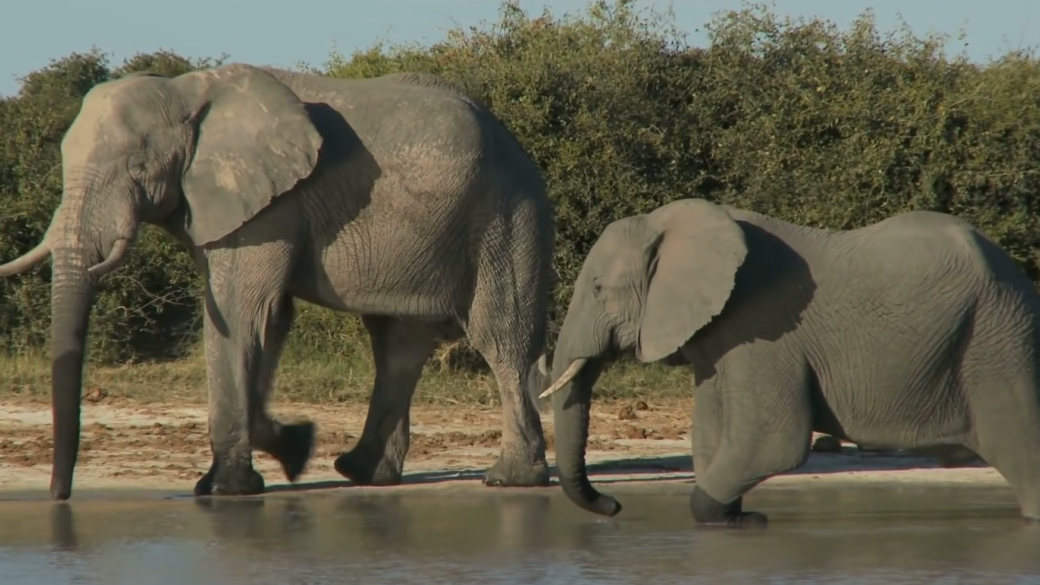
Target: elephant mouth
{"type": "Point", "coordinates": [605, 354]}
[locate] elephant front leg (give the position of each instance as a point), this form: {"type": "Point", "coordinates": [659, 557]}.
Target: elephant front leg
{"type": "Point", "coordinates": [400, 349]}
{"type": "Point", "coordinates": [707, 427]}
{"type": "Point", "coordinates": [753, 428]}
{"type": "Point", "coordinates": [706, 436]}
{"type": "Point", "coordinates": [231, 472]}
{"type": "Point", "coordinates": [290, 444]}
{"type": "Point", "coordinates": [245, 330]}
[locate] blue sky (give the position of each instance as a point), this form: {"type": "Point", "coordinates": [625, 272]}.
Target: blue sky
{"type": "Point", "coordinates": [270, 32]}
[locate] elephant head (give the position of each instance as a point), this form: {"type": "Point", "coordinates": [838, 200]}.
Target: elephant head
{"type": "Point", "coordinates": [649, 283]}
{"type": "Point", "coordinates": [200, 154]}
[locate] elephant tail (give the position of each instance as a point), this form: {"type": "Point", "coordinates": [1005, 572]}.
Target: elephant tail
{"type": "Point", "coordinates": [537, 381]}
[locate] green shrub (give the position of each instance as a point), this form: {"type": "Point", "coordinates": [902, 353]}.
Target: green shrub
{"type": "Point", "coordinates": [794, 118]}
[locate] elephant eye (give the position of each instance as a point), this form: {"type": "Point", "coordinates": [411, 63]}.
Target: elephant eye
{"type": "Point", "coordinates": [597, 288]}
{"type": "Point", "coordinates": [137, 164]}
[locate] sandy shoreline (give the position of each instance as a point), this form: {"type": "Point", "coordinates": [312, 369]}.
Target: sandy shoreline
{"type": "Point", "coordinates": [632, 446]}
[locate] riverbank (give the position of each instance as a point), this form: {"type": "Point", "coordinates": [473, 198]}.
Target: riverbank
{"type": "Point", "coordinates": [130, 444]}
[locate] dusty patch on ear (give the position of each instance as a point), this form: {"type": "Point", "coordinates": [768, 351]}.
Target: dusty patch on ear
{"type": "Point", "coordinates": [255, 141]}
{"type": "Point", "coordinates": [692, 273]}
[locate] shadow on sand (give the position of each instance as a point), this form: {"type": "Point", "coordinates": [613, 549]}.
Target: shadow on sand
{"type": "Point", "coordinates": [667, 469]}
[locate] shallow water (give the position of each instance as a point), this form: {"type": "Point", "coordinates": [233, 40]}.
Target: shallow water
{"type": "Point", "coordinates": [868, 535]}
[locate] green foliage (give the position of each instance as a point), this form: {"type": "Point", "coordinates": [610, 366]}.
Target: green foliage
{"type": "Point", "coordinates": [794, 118]}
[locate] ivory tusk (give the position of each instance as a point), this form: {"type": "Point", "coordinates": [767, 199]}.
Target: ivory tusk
{"type": "Point", "coordinates": [565, 378]}
{"type": "Point", "coordinates": [27, 260]}
{"type": "Point", "coordinates": [114, 259]}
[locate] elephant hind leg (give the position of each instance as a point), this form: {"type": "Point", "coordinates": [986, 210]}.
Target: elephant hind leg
{"type": "Point", "coordinates": [1007, 437]}
{"type": "Point", "coordinates": [510, 338]}
{"type": "Point", "coordinates": [767, 426]}
{"type": "Point", "coordinates": [506, 323]}
{"type": "Point", "coordinates": [401, 349]}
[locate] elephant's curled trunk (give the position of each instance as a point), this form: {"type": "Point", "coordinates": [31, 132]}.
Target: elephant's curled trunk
{"type": "Point", "coordinates": [571, 426]}
{"type": "Point", "coordinates": [71, 290]}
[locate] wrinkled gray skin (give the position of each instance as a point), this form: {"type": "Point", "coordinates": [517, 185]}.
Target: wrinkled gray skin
{"type": "Point", "coordinates": [397, 198]}
{"type": "Point", "coordinates": [916, 332]}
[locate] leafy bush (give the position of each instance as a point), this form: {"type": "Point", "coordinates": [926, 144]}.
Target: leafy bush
{"type": "Point", "coordinates": [794, 118]}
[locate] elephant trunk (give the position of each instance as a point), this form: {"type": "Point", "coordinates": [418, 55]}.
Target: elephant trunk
{"type": "Point", "coordinates": [81, 232]}
{"type": "Point", "coordinates": [571, 407]}
{"type": "Point", "coordinates": [71, 291]}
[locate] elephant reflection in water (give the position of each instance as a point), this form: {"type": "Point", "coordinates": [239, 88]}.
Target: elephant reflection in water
{"type": "Point", "coordinates": [63, 528]}
{"type": "Point", "coordinates": [310, 529]}
{"type": "Point", "coordinates": [384, 522]}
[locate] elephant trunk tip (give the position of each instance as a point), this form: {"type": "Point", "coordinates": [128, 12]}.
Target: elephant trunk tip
{"type": "Point", "coordinates": [587, 498]}
{"type": "Point", "coordinates": [607, 506]}
{"type": "Point", "coordinates": [61, 488]}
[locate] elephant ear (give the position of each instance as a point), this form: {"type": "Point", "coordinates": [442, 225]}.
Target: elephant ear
{"type": "Point", "coordinates": [254, 140]}
{"type": "Point", "coordinates": [692, 270]}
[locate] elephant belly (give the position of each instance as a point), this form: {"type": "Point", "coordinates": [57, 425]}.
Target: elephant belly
{"type": "Point", "coordinates": [889, 411]}
{"type": "Point", "coordinates": [403, 280]}
{"type": "Point", "coordinates": [893, 380]}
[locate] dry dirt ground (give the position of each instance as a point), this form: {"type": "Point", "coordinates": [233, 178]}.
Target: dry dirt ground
{"type": "Point", "coordinates": [143, 446]}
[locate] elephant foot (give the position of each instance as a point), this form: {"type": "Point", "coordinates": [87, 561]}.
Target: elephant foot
{"type": "Point", "coordinates": [295, 447]}
{"type": "Point", "coordinates": [510, 473]}
{"type": "Point", "coordinates": [227, 480]}
{"type": "Point", "coordinates": [360, 467]}
{"type": "Point", "coordinates": [710, 513]}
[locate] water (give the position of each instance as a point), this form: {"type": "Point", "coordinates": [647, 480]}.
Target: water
{"type": "Point", "coordinates": [479, 535]}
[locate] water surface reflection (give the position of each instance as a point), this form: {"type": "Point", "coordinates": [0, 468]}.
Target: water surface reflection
{"type": "Point", "coordinates": [535, 536]}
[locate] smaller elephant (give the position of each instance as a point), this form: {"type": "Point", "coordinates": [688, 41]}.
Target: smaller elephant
{"type": "Point", "coordinates": [917, 332]}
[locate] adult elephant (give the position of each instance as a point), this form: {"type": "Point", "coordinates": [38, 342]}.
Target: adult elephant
{"type": "Point", "coordinates": [397, 198]}
{"type": "Point", "coordinates": [914, 332]}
